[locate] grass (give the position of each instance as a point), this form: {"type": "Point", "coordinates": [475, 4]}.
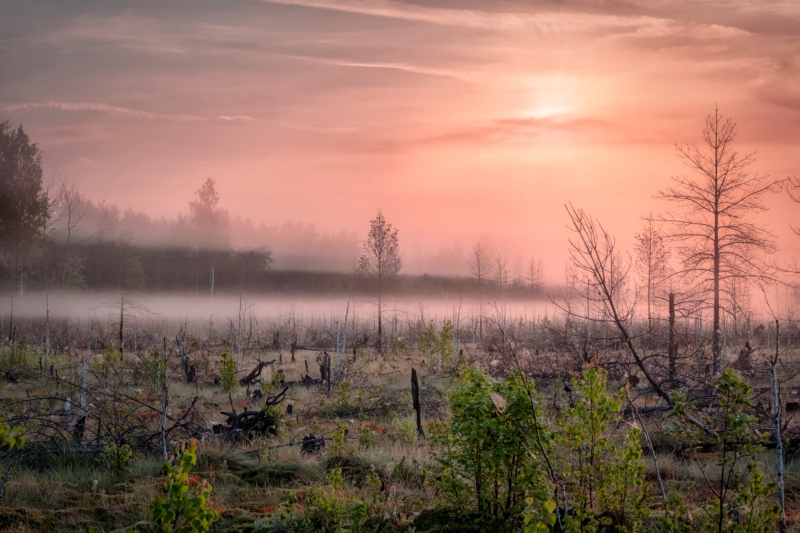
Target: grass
{"type": "Point", "coordinates": [383, 461]}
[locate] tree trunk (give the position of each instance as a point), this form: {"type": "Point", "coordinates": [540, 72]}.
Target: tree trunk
{"type": "Point", "coordinates": [776, 415]}
{"type": "Point", "coordinates": [415, 400]}
{"type": "Point", "coordinates": [672, 348]}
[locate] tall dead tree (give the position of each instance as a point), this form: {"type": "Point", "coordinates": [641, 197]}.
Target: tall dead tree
{"type": "Point", "coordinates": [381, 262]}
{"type": "Point", "coordinates": [715, 236]}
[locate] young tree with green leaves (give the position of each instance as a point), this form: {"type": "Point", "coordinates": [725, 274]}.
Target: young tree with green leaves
{"type": "Point", "coordinates": [604, 473]}
{"type": "Point", "coordinates": [490, 452]}
{"type": "Point", "coordinates": [733, 476]}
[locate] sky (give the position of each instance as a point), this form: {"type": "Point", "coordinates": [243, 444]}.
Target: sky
{"type": "Point", "coordinates": [461, 120]}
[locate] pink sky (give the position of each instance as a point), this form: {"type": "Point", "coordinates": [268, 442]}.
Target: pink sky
{"type": "Point", "coordinates": [458, 119]}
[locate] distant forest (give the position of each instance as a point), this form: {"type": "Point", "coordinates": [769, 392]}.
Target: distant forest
{"type": "Point", "coordinates": [54, 238]}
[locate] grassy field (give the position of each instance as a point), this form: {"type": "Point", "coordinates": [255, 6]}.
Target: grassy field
{"type": "Point", "coordinates": [395, 479]}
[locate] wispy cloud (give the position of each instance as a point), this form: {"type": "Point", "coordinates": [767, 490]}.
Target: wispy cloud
{"type": "Point", "coordinates": [545, 22]}
{"type": "Point", "coordinates": [236, 118]}
{"type": "Point", "coordinates": [119, 111]}
{"type": "Point", "coordinates": [514, 129]}
{"type": "Point", "coordinates": [405, 67]}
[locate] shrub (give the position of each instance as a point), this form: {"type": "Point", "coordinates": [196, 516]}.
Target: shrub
{"type": "Point", "coordinates": [227, 374]}
{"type": "Point", "coordinates": [324, 509]}
{"type": "Point", "coordinates": [733, 476]}
{"type": "Point", "coordinates": [184, 508]}
{"type": "Point", "coordinates": [19, 357]}
{"type": "Point", "coordinates": [153, 367]}
{"type": "Point", "coordinates": [491, 447]}
{"type": "Point", "coordinates": [605, 479]}
{"type": "Point", "coordinates": [115, 457]}
{"type": "Point", "coordinates": [11, 438]}
{"type": "Point", "coordinates": [438, 343]}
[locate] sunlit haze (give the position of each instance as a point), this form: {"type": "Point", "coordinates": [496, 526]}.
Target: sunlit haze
{"type": "Point", "coordinates": [461, 121]}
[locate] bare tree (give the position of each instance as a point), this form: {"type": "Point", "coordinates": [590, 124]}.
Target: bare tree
{"type": "Point", "coordinates": [595, 260]}
{"type": "Point", "coordinates": [72, 205]}
{"type": "Point", "coordinates": [73, 209]}
{"type": "Point", "coordinates": [715, 236]}
{"type": "Point", "coordinates": [479, 266]}
{"type": "Point", "coordinates": [130, 277]}
{"type": "Point", "coordinates": [501, 270]}
{"type": "Point", "coordinates": [534, 275]}
{"type": "Point", "coordinates": [381, 261]}
{"type": "Point", "coordinates": [652, 261]}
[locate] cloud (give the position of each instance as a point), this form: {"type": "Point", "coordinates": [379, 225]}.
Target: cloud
{"type": "Point", "coordinates": [119, 111]}
{"type": "Point", "coordinates": [405, 67]}
{"type": "Point", "coordinates": [236, 118]}
{"type": "Point", "coordinates": [544, 22]}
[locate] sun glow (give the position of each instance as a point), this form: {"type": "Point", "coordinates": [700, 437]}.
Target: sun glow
{"type": "Point", "coordinates": [548, 111]}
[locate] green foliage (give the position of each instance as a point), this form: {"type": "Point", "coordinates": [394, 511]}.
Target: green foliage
{"type": "Point", "coordinates": [227, 372]}
{"type": "Point", "coordinates": [19, 357]}
{"type": "Point", "coordinates": [11, 438]}
{"type": "Point", "coordinates": [324, 509]}
{"type": "Point", "coordinates": [22, 201]}
{"type": "Point", "coordinates": [534, 521]}
{"type": "Point", "coordinates": [115, 457]}
{"type": "Point", "coordinates": [491, 450]}
{"type": "Point", "coordinates": [184, 508]}
{"type": "Point", "coordinates": [338, 445]}
{"type": "Point", "coordinates": [397, 347]}
{"type": "Point", "coordinates": [153, 367]}
{"type": "Point", "coordinates": [604, 479]}
{"type": "Point", "coordinates": [734, 477]}
{"type": "Point", "coordinates": [448, 520]}
{"type": "Point", "coordinates": [404, 432]}
{"type": "Point", "coordinates": [110, 363]}
{"type": "Point", "coordinates": [438, 343]}
{"type": "Point", "coordinates": [271, 383]}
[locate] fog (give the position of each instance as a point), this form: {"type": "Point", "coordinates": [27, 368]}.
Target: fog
{"type": "Point", "coordinates": [301, 308]}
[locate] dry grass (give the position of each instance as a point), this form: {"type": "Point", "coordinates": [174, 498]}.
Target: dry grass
{"type": "Point", "coordinates": [254, 477]}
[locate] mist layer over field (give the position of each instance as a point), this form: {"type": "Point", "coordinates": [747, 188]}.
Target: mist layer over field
{"type": "Point", "coordinates": [272, 307]}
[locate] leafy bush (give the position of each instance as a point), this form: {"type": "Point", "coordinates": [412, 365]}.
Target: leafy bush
{"type": "Point", "coordinates": [438, 343]}
{"type": "Point", "coordinates": [492, 446]}
{"type": "Point", "coordinates": [604, 479]}
{"type": "Point", "coordinates": [323, 509]}
{"type": "Point", "coordinates": [110, 363]}
{"type": "Point", "coordinates": [115, 457]}
{"type": "Point", "coordinates": [11, 438]}
{"type": "Point", "coordinates": [227, 373]}
{"type": "Point", "coordinates": [19, 357]}
{"type": "Point", "coordinates": [184, 507]}
{"type": "Point", "coordinates": [735, 479]}
{"type": "Point", "coordinates": [153, 368]}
